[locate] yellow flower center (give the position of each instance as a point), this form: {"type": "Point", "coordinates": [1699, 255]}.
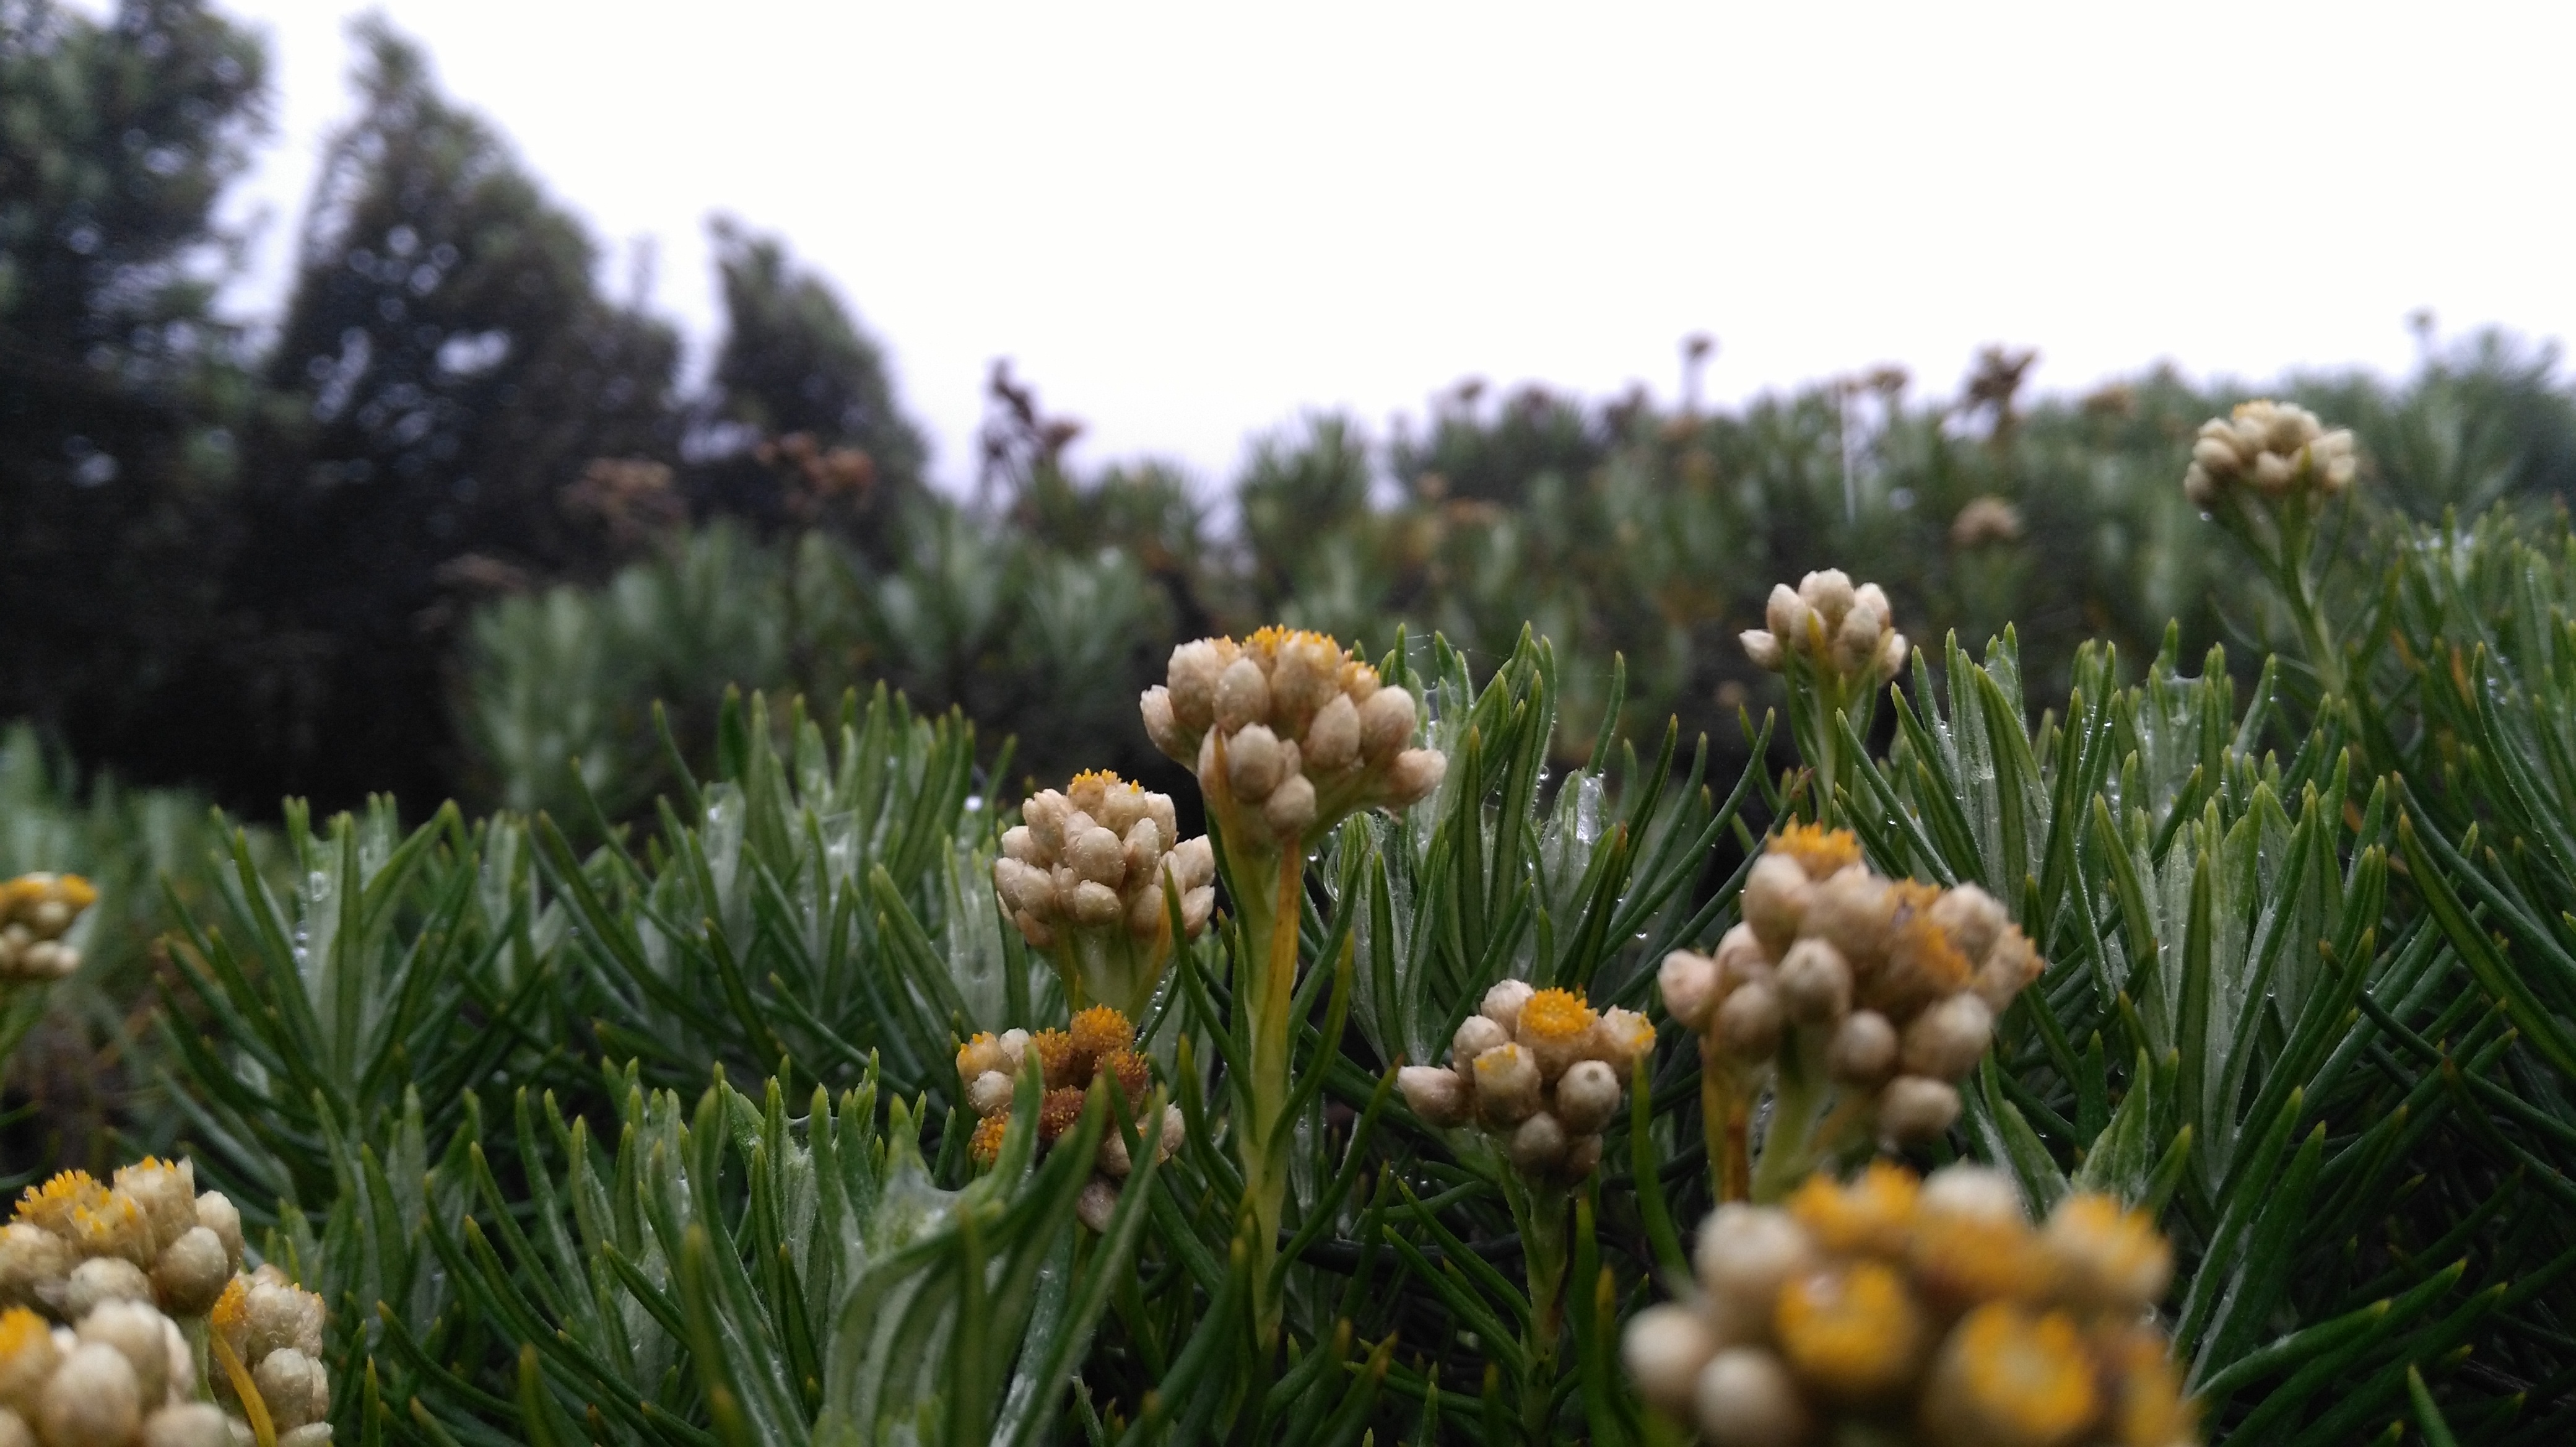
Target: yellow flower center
{"type": "Point", "coordinates": [986, 1144]}
{"type": "Point", "coordinates": [22, 1331]}
{"type": "Point", "coordinates": [1818, 850]}
{"type": "Point", "coordinates": [1870, 1217]}
{"type": "Point", "coordinates": [1855, 1331]}
{"type": "Point", "coordinates": [1556, 1015]}
{"type": "Point", "coordinates": [1101, 1030]}
{"type": "Point", "coordinates": [2027, 1379]}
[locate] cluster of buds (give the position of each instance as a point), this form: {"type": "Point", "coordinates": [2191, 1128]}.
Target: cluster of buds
{"type": "Point", "coordinates": [103, 1286]}
{"type": "Point", "coordinates": [1101, 1046]}
{"type": "Point", "coordinates": [1083, 876]}
{"type": "Point", "coordinates": [1903, 1311]}
{"type": "Point", "coordinates": [1289, 734]}
{"type": "Point", "coordinates": [145, 1236]}
{"type": "Point", "coordinates": [1540, 1071]}
{"type": "Point", "coordinates": [2277, 448]}
{"type": "Point", "coordinates": [273, 1330]}
{"type": "Point", "coordinates": [1843, 632]}
{"type": "Point", "coordinates": [35, 912]}
{"type": "Point", "coordinates": [1893, 986]}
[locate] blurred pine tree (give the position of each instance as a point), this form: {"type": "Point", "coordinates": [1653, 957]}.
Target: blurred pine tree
{"type": "Point", "coordinates": [446, 369]}
{"type": "Point", "coordinates": [119, 387]}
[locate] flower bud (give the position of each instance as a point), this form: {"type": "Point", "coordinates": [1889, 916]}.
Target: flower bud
{"type": "Point", "coordinates": [295, 1387]}
{"type": "Point", "coordinates": [1111, 1159]}
{"type": "Point", "coordinates": [1195, 859]}
{"type": "Point", "coordinates": [1746, 1398]}
{"type": "Point", "coordinates": [1747, 1253]}
{"type": "Point", "coordinates": [2009, 968]}
{"type": "Point", "coordinates": [1762, 647]}
{"type": "Point", "coordinates": [1775, 901]}
{"type": "Point", "coordinates": [1862, 1050]}
{"type": "Point", "coordinates": [1555, 1026]}
{"type": "Point", "coordinates": [1587, 1097]}
{"type": "Point", "coordinates": [1332, 741]}
{"type": "Point", "coordinates": [2108, 1258]}
{"type": "Point", "coordinates": [1830, 593]}
{"type": "Point", "coordinates": [1538, 1145]}
{"type": "Point", "coordinates": [1290, 808]}
{"type": "Point", "coordinates": [100, 1280]}
{"type": "Point", "coordinates": [1690, 986]}
{"type": "Point", "coordinates": [33, 1263]}
{"type": "Point", "coordinates": [189, 1424]}
{"type": "Point", "coordinates": [2009, 1378]}
{"type": "Point", "coordinates": [1015, 1047]}
{"type": "Point", "coordinates": [1912, 1109]}
{"type": "Point", "coordinates": [14, 1432]}
{"type": "Point", "coordinates": [1253, 763]}
{"type": "Point", "coordinates": [1096, 905]}
{"type": "Point", "coordinates": [1507, 1085]}
{"type": "Point", "coordinates": [1386, 724]}
{"type": "Point", "coordinates": [279, 1315]}
{"type": "Point", "coordinates": [1160, 725]}
{"type": "Point", "coordinates": [1437, 1094]}
{"type": "Point", "coordinates": [1097, 1204]}
{"type": "Point", "coordinates": [1192, 676]}
{"type": "Point", "coordinates": [1972, 918]}
{"type": "Point", "coordinates": [989, 1094]}
{"type": "Point", "coordinates": [1620, 1038]}
{"type": "Point", "coordinates": [134, 1331]}
{"type": "Point", "coordinates": [93, 1397]}
{"type": "Point", "coordinates": [1043, 815]}
{"type": "Point", "coordinates": [1946, 1039]}
{"type": "Point", "coordinates": [1303, 677]}
{"type": "Point", "coordinates": [1856, 642]}
{"type": "Point", "coordinates": [1853, 911]}
{"type": "Point", "coordinates": [1749, 1023]}
{"type": "Point", "coordinates": [1020, 845]}
{"type": "Point", "coordinates": [1785, 615]}
{"type": "Point", "coordinates": [29, 1354]}
{"type": "Point", "coordinates": [312, 1434]}
{"type": "Point", "coordinates": [165, 1192]}
{"type": "Point", "coordinates": [1664, 1349]}
{"type": "Point", "coordinates": [1740, 960]}
{"type": "Point", "coordinates": [1814, 983]}
{"type": "Point", "coordinates": [192, 1272]}
{"type": "Point", "coordinates": [1196, 906]}
{"type": "Point", "coordinates": [1891, 655]}
{"type": "Point", "coordinates": [978, 1056]}
{"type": "Point", "coordinates": [1242, 695]}
{"type": "Point", "coordinates": [1415, 774]}
{"type": "Point", "coordinates": [1476, 1035]}
{"type": "Point", "coordinates": [1503, 1003]}
{"type": "Point", "coordinates": [1097, 856]}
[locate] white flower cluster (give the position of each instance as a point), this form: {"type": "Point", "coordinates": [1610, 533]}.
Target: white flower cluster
{"type": "Point", "coordinates": [1101, 1046]}
{"type": "Point", "coordinates": [35, 912]}
{"type": "Point", "coordinates": [1894, 984]}
{"type": "Point", "coordinates": [1845, 632]}
{"type": "Point", "coordinates": [1289, 734]}
{"type": "Point", "coordinates": [2276, 448]}
{"type": "Point", "coordinates": [1540, 1071]}
{"type": "Point", "coordinates": [1901, 1312]}
{"type": "Point", "coordinates": [97, 1281]}
{"type": "Point", "coordinates": [1095, 857]}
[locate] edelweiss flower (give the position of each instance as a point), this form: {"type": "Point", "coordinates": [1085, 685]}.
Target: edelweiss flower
{"type": "Point", "coordinates": [1084, 878]}
{"type": "Point", "coordinates": [1845, 633]}
{"type": "Point", "coordinates": [1929, 1308]}
{"type": "Point", "coordinates": [1289, 734]}
{"type": "Point", "coordinates": [2275, 448]}
{"type": "Point", "coordinates": [1100, 1047]}
{"type": "Point", "coordinates": [1539, 1070]}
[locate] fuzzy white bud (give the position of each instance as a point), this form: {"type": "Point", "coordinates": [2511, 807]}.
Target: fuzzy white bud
{"type": "Point", "coordinates": [1503, 1003]}
{"type": "Point", "coordinates": [1745, 1253]}
{"type": "Point", "coordinates": [1538, 1145]}
{"type": "Point", "coordinates": [1192, 676]}
{"type": "Point", "coordinates": [989, 1094]}
{"type": "Point", "coordinates": [1415, 774]}
{"type": "Point", "coordinates": [1587, 1096]}
{"type": "Point", "coordinates": [1775, 901]}
{"type": "Point", "coordinates": [189, 1424]}
{"type": "Point", "coordinates": [1664, 1348]}
{"type": "Point", "coordinates": [1332, 741]}
{"type": "Point", "coordinates": [1763, 647]}
{"type": "Point", "coordinates": [1476, 1035]}
{"type": "Point", "coordinates": [1386, 724]}
{"type": "Point", "coordinates": [1815, 983]}
{"type": "Point", "coordinates": [1097, 1203]}
{"type": "Point", "coordinates": [192, 1272]}
{"type": "Point", "coordinates": [100, 1280]}
{"type": "Point", "coordinates": [134, 1330]}
{"type": "Point", "coordinates": [1750, 1022]}
{"type": "Point", "coordinates": [1242, 695]}
{"type": "Point", "coordinates": [1947, 1038]}
{"type": "Point", "coordinates": [296, 1388]}
{"type": "Point", "coordinates": [1862, 1050]}
{"type": "Point", "coordinates": [1507, 1085]}
{"type": "Point", "coordinates": [1253, 763]}
{"type": "Point", "coordinates": [1438, 1095]}
{"type": "Point", "coordinates": [1913, 1109]}
{"type": "Point", "coordinates": [1745, 1397]}
{"type": "Point", "coordinates": [93, 1398]}
{"type": "Point", "coordinates": [1290, 807]}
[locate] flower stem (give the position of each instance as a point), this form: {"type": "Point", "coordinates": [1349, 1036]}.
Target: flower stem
{"type": "Point", "coordinates": [1540, 1213]}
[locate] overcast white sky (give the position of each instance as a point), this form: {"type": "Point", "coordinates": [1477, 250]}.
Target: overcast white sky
{"type": "Point", "coordinates": [1188, 223]}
